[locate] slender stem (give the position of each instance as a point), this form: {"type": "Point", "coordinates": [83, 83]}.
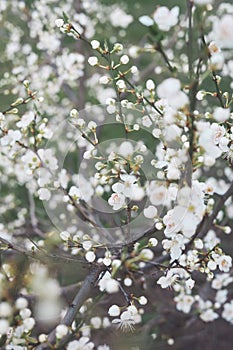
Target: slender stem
{"type": "Point", "coordinates": [214, 75]}
{"type": "Point", "coordinates": [190, 38]}
{"type": "Point", "coordinates": [193, 81]}
{"type": "Point", "coordinates": [161, 51]}
{"type": "Point", "coordinates": [219, 94]}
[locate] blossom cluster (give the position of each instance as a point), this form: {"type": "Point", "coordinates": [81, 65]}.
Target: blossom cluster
{"type": "Point", "coordinates": [114, 173]}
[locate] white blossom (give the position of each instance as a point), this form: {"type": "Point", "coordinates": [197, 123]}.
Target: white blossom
{"type": "Point", "coordinates": [124, 59]}
{"type": "Point", "coordinates": [44, 194]}
{"type": "Point", "coordinates": [146, 21]}
{"type": "Point", "coordinates": [95, 44]}
{"type": "Point", "coordinates": [93, 61]}
{"type": "Point", "coordinates": [4, 326]}
{"type": "Point", "coordinates": [59, 22]}
{"type": "Point", "coordinates": [90, 256]}
{"type": "Point", "coordinates": [209, 315]}
{"type": "Point", "coordinates": [114, 310]}
{"type": "Point", "coordinates": [82, 344]}
{"type": "Point", "coordinates": [117, 201]}
{"type": "Point", "coordinates": [165, 18]}
{"type": "Point", "coordinates": [222, 32]}
{"type": "Point", "coordinates": [125, 322]}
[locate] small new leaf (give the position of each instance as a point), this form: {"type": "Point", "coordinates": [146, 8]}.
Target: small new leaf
{"type": "Point", "coordinates": [65, 17]}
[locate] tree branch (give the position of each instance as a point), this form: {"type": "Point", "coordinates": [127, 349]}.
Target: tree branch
{"type": "Point", "coordinates": [82, 295]}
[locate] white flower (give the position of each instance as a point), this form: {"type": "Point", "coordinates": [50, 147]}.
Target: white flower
{"type": "Point", "coordinates": [81, 344]}
{"type": "Point", "coordinates": [21, 303]}
{"type": "Point", "coordinates": [104, 79]}
{"type": "Point", "coordinates": [117, 200]}
{"type": "Point", "coordinates": [25, 313]}
{"type": "Point", "coordinates": [119, 18]}
{"type": "Point", "coordinates": [213, 48]}
{"type": "Point", "coordinates": [189, 284]}
{"type": "Point", "coordinates": [221, 114]}
{"type": "Point", "coordinates": [168, 280]}
{"type": "Point", "coordinates": [65, 235]}
{"type": "Point", "coordinates": [146, 254]}
{"type": "Point", "coordinates": [146, 121]}
{"type": "Point", "coordinates": [208, 315]}
{"type": "Point", "coordinates": [185, 217]}
{"type": "Point", "coordinates": [227, 313]}
{"type": "Point", "coordinates": [222, 31]}
{"type": "Point", "coordinates": [128, 282]}
{"type": "Point", "coordinates": [221, 296]}
{"type": "Point", "coordinates": [184, 302]}
{"type": "Point", "coordinates": [146, 21]}
{"type": "Point", "coordinates": [95, 44]}
{"type": "Point", "coordinates": [171, 222]}
{"type": "Point", "coordinates": [126, 149]}
{"type": "Point", "coordinates": [157, 194]}
{"type": "Point", "coordinates": [26, 120]}
{"type": "Point", "coordinates": [87, 245]}
{"type": "Point", "coordinates": [171, 341]}
{"type": "Point", "coordinates": [74, 113]}
{"type": "Point", "coordinates": [153, 242]}
{"type": "Point", "coordinates": [59, 22]}
{"type": "Point", "coordinates": [11, 138]}
{"type": "Point", "coordinates": [107, 261]}
{"type": "Point", "coordinates": [156, 133]}
{"type": "Point", "coordinates": [44, 194]}
{"type": "Point", "coordinates": [207, 141]}
{"type": "Point", "coordinates": [4, 326]}
{"type": "Point", "coordinates": [61, 331]}
{"type": "Point", "coordinates": [142, 300]}
{"type": "Point", "coordinates": [93, 61]}
{"type": "Point", "coordinates": [108, 283]}
{"type": "Point", "coordinates": [224, 262]}
{"type": "Point", "coordinates": [118, 47]}
{"type": "Point", "coordinates": [114, 310]}
{"type": "Point", "coordinates": [5, 309]}
{"type": "Point", "coordinates": [150, 212]}
{"type": "Point", "coordinates": [175, 246]}
{"type": "Point", "coordinates": [92, 126]}
{"type": "Point", "coordinates": [127, 186]}
{"type": "Point", "coordinates": [212, 265]}
{"type": "Point", "coordinates": [150, 85]}
{"type": "Point", "coordinates": [134, 70]}
{"type": "Point", "coordinates": [217, 61]}
{"type": "Point", "coordinates": [103, 347]}
{"type": "Point", "coordinates": [90, 256]}
{"type": "Point", "coordinates": [221, 280]}
{"type": "Point", "coordinates": [74, 192]}
{"type": "Point", "coordinates": [200, 95]}
{"type": "Point", "coordinates": [63, 178]}
{"type": "Point", "coordinates": [202, 2]}
{"type": "Point", "coordinates": [165, 18]}
{"type": "Point", "coordinates": [121, 84]}
{"type": "Point", "coordinates": [170, 89]}
{"type": "Point", "coordinates": [42, 338]}
{"type": "Point", "coordinates": [124, 59]}
{"type": "Point", "coordinates": [87, 190]}
{"type": "Point", "coordinates": [29, 323]}
{"type": "Point", "coordinates": [126, 321]}
{"type": "Point", "coordinates": [96, 322]}
{"type": "Point", "coordinates": [47, 157]}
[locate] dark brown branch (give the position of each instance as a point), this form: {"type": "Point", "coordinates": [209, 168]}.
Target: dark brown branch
{"type": "Point", "coordinates": [82, 295]}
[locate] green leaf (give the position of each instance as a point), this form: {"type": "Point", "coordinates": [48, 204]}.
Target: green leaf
{"type": "Point", "coordinates": [65, 17]}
